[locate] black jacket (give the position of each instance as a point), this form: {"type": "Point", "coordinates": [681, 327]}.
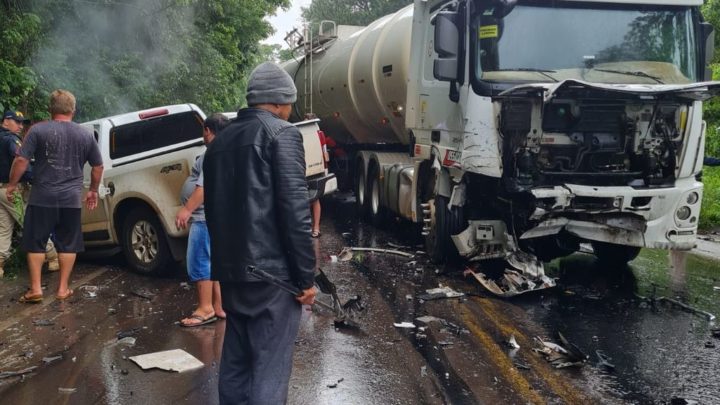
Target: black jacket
{"type": "Point", "coordinates": [9, 144]}
{"type": "Point", "coordinates": [256, 200]}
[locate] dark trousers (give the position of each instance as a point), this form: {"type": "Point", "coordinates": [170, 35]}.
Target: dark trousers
{"type": "Point", "coordinates": [262, 324]}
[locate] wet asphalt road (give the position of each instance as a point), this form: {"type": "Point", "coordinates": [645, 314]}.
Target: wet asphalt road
{"type": "Point", "coordinates": [658, 350]}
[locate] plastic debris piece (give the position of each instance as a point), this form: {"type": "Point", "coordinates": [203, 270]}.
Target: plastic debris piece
{"type": "Point", "coordinates": [716, 288]}
{"type": "Point", "coordinates": [130, 332]}
{"type": "Point", "coordinates": [521, 366]}
{"type": "Point", "coordinates": [8, 374]}
{"type": "Point", "coordinates": [604, 361]}
{"type": "Point", "coordinates": [89, 291]}
{"type": "Point", "coordinates": [427, 319]}
{"type": "Point", "coordinates": [177, 360]}
{"type": "Point", "coordinates": [143, 293]}
{"type": "Point", "coordinates": [185, 286]}
{"type": "Point", "coordinates": [709, 345]}
{"type": "Point", "coordinates": [376, 250]}
{"type": "Point", "coordinates": [129, 341]}
{"type": "Point", "coordinates": [408, 297]}
{"type": "Point", "coordinates": [512, 343]}
{"type": "Point", "coordinates": [52, 359]}
{"type": "Point", "coordinates": [43, 322]}
{"type": "Point", "coordinates": [406, 325]}
{"type": "Point", "coordinates": [440, 293]}
{"type": "Point", "coordinates": [67, 390]}
{"type": "Point", "coordinates": [423, 371]}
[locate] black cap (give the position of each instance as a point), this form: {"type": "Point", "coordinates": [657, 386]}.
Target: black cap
{"type": "Point", "coordinates": [17, 116]}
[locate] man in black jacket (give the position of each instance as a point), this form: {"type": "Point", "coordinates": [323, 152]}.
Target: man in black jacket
{"type": "Point", "coordinates": [257, 214]}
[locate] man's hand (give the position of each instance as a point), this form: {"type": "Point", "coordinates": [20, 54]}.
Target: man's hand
{"type": "Point", "coordinates": [182, 218]}
{"type": "Point", "coordinates": [91, 200]}
{"type": "Point", "coordinates": [308, 296]}
{"type": "Point", "coordinates": [10, 191]}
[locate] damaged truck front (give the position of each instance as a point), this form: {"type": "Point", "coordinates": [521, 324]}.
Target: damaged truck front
{"type": "Point", "coordinates": [533, 126]}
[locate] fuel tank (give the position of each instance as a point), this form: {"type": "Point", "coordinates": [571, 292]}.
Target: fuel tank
{"type": "Point", "coordinates": [357, 83]}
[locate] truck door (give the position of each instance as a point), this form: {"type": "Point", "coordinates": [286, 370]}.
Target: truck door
{"type": "Point", "coordinates": [96, 223]}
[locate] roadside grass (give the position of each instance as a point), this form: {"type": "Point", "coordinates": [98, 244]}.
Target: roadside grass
{"type": "Point", "coordinates": [710, 212]}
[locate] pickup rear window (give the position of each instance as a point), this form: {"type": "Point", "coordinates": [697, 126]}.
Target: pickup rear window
{"type": "Point", "coordinates": [155, 133]}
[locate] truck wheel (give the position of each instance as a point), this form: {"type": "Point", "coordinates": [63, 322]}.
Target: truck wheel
{"type": "Point", "coordinates": [378, 213]}
{"type": "Point", "coordinates": [550, 248]}
{"type": "Point", "coordinates": [361, 195]}
{"type": "Point", "coordinates": [612, 254]}
{"type": "Point", "coordinates": [144, 243]}
{"type": "Point", "coordinates": [443, 224]}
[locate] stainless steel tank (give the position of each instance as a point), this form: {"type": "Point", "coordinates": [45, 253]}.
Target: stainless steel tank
{"type": "Point", "coordinates": [359, 82]}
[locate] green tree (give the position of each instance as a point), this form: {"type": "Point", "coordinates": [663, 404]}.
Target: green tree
{"type": "Point", "coordinates": [18, 34]}
{"type": "Point", "coordinates": [711, 112]}
{"type": "Point", "coordinates": [351, 12]}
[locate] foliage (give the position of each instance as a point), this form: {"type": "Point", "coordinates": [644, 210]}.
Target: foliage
{"type": "Point", "coordinates": [351, 12]}
{"type": "Point", "coordinates": [710, 212]}
{"type": "Point", "coordinates": [122, 55]}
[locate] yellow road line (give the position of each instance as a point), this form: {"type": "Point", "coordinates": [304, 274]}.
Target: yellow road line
{"type": "Point", "coordinates": [563, 389]}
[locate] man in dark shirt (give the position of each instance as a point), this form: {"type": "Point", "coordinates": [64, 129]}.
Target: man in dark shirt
{"type": "Point", "coordinates": [257, 214]}
{"type": "Point", "coordinates": [60, 148]}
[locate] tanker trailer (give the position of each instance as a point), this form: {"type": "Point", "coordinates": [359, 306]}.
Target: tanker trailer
{"type": "Point", "coordinates": [519, 130]}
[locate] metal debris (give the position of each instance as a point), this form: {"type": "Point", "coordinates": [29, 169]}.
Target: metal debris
{"type": "Point", "coordinates": [521, 366]}
{"type": "Point", "coordinates": [560, 356]}
{"type": "Point", "coordinates": [67, 390]}
{"type": "Point", "coordinates": [405, 325]}
{"type": "Point", "coordinates": [427, 319]}
{"type": "Point", "coordinates": [345, 251]}
{"type": "Point", "coordinates": [396, 246]}
{"type": "Point", "coordinates": [439, 293]}
{"type": "Point", "coordinates": [8, 374]}
{"type": "Point", "coordinates": [707, 315]}
{"type": "Point", "coordinates": [512, 282]}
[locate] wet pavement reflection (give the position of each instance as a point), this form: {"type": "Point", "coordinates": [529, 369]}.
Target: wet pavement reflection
{"type": "Point", "coordinates": [459, 356]}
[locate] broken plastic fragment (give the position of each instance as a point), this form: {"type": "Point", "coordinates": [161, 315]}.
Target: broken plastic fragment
{"type": "Point", "coordinates": [171, 360]}
{"type": "Point", "coordinates": [512, 343]}
{"type": "Point", "coordinates": [67, 390]}
{"type": "Point", "coordinates": [439, 293]}
{"type": "Point", "coordinates": [406, 325]}
{"type": "Point", "coordinates": [129, 341]}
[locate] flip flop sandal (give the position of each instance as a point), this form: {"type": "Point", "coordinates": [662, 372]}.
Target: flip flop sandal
{"type": "Point", "coordinates": [202, 321]}
{"type": "Point", "coordinates": [66, 296]}
{"type": "Point", "coordinates": [30, 299]}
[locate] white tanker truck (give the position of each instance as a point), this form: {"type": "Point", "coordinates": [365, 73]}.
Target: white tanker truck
{"type": "Point", "coordinates": [516, 130]}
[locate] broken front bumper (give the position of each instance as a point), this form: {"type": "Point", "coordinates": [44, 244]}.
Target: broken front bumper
{"type": "Point", "coordinates": [659, 218]}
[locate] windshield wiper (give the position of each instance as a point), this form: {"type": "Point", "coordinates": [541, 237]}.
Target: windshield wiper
{"type": "Point", "coordinates": [637, 73]}
{"type": "Point", "coordinates": [543, 72]}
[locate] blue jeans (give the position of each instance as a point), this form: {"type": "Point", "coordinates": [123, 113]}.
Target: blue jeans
{"type": "Point", "coordinates": [198, 252]}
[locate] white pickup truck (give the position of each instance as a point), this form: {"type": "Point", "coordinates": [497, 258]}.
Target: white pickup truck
{"type": "Point", "coordinates": [147, 156]}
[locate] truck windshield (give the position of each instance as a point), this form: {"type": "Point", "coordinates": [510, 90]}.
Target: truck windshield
{"type": "Point", "coordinates": [545, 42]}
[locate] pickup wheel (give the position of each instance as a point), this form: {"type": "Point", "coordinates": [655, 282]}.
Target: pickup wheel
{"type": "Point", "coordinates": [614, 255]}
{"type": "Point", "coordinates": [144, 243]}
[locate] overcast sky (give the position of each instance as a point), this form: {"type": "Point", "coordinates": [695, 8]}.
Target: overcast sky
{"type": "Point", "coordinates": [285, 21]}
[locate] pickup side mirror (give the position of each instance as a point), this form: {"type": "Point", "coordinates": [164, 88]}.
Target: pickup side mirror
{"type": "Point", "coordinates": [708, 35]}
{"type": "Point", "coordinates": [447, 45]}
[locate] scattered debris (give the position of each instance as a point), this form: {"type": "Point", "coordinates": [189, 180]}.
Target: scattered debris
{"type": "Point", "coordinates": [406, 325]}
{"type": "Point", "coordinates": [439, 293]}
{"type": "Point", "coordinates": [411, 263]}
{"type": "Point", "coordinates": [177, 360]}
{"type": "Point", "coordinates": [561, 356]}
{"type": "Point", "coordinates": [715, 332]}
{"type": "Point", "coordinates": [423, 371]}
{"type": "Point", "coordinates": [396, 246]}
{"type": "Point", "coordinates": [513, 282]}
{"type": "Point", "coordinates": [710, 317]}
{"type": "Point", "coordinates": [512, 343]}
{"type": "Point", "coordinates": [89, 291]}
{"type": "Point", "coordinates": [346, 234]}
{"type": "Point", "coordinates": [8, 374]}
{"type": "Point", "coordinates": [126, 333]}
{"type": "Point", "coordinates": [124, 371]}
{"type": "Point", "coordinates": [345, 255]}
{"type": "Point", "coordinates": [427, 319]}
{"type": "Point", "coordinates": [185, 286]}
{"type": "Point", "coordinates": [445, 343]}
{"type": "Point", "coordinates": [43, 322]}
{"type": "Point", "coordinates": [52, 359]}
{"type": "Point", "coordinates": [143, 293]}
{"type": "Point", "coordinates": [709, 345]}
{"type": "Point", "coordinates": [408, 297]}
{"type": "Point", "coordinates": [345, 251]}
{"type": "Point", "coordinates": [716, 288]}
{"type": "Point", "coordinates": [604, 361]}
{"type": "Point", "coordinates": [521, 366]}
{"type": "Point", "coordinates": [129, 341]}
{"type": "Point", "coordinates": [67, 390]}
{"type": "Point", "coordinates": [335, 384]}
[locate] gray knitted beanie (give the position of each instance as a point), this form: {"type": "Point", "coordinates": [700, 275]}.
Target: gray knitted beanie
{"type": "Point", "coordinates": [270, 84]}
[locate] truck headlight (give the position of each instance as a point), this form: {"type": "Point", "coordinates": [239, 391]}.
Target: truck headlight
{"type": "Point", "coordinates": [683, 213]}
{"type": "Point", "coordinates": [693, 198]}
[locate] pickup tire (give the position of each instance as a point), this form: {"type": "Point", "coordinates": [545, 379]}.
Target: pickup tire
{"type": "Point", "coordinates": [144, 243]}
{"type": "Point", "coordinates": [611, 254]}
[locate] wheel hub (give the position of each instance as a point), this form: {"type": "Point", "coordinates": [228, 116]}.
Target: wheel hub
{"type": "Point", "coordinates": [144, 241]}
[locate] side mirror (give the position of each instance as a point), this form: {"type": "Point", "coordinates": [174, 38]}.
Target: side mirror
{"type": "Point", "coordinates": [708, 35]}
{"type": "Point", "coordinates": [447, 45]}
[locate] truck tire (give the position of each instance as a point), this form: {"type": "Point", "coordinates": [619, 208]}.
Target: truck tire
{"type": "Point", "coordinates": [377, 213]}
{"type": "Point", "coordinates": [144, 243]}
{"type": "Point", "coordinates": [612, 254]}
{"type": "Point", "coordinates": [438, 243]}
{"type": "Point", "coordinates": [361, 194]}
